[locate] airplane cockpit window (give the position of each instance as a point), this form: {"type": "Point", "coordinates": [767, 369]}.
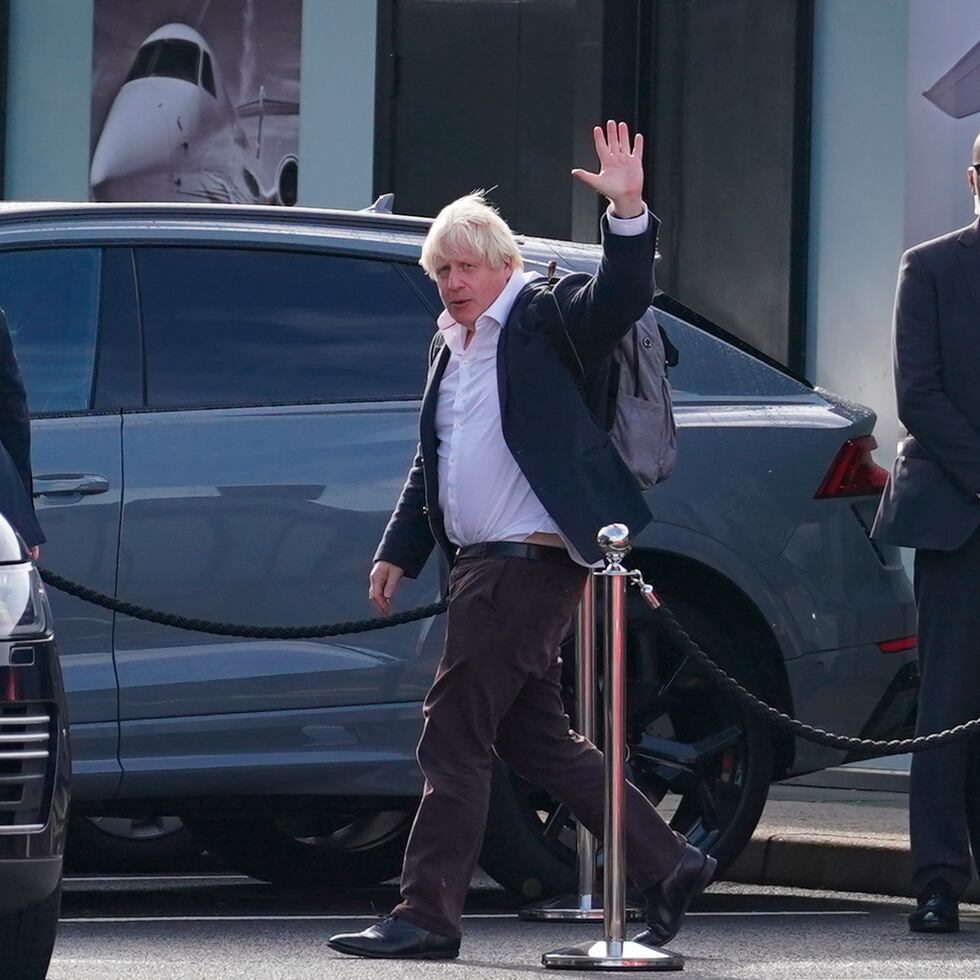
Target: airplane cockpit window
{"type": "Point", "coordinates": [167, 58]}
{"type": "Point", "coordinates": [207, 74]}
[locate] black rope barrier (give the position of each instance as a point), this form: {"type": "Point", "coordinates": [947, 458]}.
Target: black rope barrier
{"type": "Point", "coordinates": [794, 726]}
{"type": "Point", "coordinates": [236, 629]}
{"type": "Point", "coordinates": [677, 633]}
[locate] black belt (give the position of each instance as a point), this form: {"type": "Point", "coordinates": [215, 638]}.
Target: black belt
{"type": "Point", "coordinates": [516, 549]}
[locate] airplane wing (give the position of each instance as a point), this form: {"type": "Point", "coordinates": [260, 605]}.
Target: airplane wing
{"type": "Point", "coordinates": [957, 93]}
{"type": "Point", "coordinates": [271, 107]}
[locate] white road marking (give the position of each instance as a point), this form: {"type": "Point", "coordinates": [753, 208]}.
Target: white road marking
{"type": "Point", "coordinates": [156, 879]}
{"type": "Point", "coordinates": [351, 918]}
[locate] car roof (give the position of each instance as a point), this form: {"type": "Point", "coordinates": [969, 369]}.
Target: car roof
{"type": "Point", "coordinates": [20, 211]}
{"type": "Point", "coordinates": [155, 216]}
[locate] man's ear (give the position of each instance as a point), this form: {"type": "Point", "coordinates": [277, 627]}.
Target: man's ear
{"type": "Point", "coordinates": [971, 179]}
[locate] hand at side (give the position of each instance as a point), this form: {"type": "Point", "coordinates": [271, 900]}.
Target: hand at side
{"type": "Point", "coordinates": [383, 582]}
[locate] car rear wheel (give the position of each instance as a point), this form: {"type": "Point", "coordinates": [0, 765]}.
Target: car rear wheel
{"type": "Point", "coordinates": [341, 851]}
{"type": "Point", "coordinates": [130, 844]}
{"type": "Point", "coordinates": [714, 797]}
{"type": "Point", "coordinates": [27, 939]}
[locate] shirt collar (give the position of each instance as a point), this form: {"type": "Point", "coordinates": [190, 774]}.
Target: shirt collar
{"type": "Point", "coordinates": [496, 313]}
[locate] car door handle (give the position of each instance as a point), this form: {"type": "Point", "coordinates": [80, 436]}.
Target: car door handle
{"type": "Point", "coordinates": [82, 483]}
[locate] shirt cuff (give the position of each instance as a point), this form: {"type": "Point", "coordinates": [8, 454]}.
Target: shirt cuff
{"type": "Point", "coordinates": [628, 226]}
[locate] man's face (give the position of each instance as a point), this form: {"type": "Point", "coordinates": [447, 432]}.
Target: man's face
{"type": "Point", "coordinates": [468, 286]}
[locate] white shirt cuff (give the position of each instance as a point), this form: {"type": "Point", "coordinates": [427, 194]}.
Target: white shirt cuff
{"type": "Point", "coordinates": [628, 226]}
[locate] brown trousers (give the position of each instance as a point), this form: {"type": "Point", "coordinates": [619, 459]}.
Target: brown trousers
{"type": "Point", "coordinates": [498, 688]}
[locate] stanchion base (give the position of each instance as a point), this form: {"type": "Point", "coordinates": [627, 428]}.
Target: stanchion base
{"type": "Point", "coordinates": [604, 955]}
{"type": "Point", "coordinates": [572, 908]}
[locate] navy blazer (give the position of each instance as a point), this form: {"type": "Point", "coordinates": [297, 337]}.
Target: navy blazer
{"type": "Point", "coordinates": [930, 500]}
{"type": "Point", "coordinates": [560, 442]}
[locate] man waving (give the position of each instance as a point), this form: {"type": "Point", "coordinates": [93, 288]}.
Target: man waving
{"type": "Point", "coordinates": [514, 475]}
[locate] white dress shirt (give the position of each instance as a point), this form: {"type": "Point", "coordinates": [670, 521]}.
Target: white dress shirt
{"type": "Point", "coordinates": [483, 494]}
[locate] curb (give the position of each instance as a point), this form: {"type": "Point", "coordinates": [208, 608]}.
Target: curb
{"type": "Point", "coordinates": [872, 865]}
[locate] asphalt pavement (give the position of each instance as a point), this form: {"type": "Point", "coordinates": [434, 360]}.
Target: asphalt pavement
{"type": "Point", "coordinates": [230, 928]}
{"type": "Point", "coordinates": [815, 895]}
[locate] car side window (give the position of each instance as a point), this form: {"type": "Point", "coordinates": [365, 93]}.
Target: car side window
{"type": "Point", "coordinates": [225, 327]}
{"type": "Point", "coordinates": [51, 300]}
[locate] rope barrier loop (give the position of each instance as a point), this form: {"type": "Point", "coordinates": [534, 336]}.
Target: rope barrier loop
{"type": "Point", "coordinates": [677, 633]}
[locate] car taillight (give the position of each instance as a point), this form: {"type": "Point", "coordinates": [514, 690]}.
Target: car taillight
{"type": "Point", "coordinates": [853, 472]}
{"type": "Point", "coordinates": [900, 645]}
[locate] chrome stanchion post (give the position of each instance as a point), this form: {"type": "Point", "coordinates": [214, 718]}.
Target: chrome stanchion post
{"type": "Point", "coordinates": [586, 905]}
{"type": "Point", "coordinates": [614, 952]}
{"type": "Point", "coordinates": [585, 842]}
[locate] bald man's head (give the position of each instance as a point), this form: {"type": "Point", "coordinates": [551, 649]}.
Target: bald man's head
{"type": "Point", "coordinates": [971, 175]}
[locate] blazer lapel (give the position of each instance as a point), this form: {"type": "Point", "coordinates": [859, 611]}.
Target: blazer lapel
{"type": "Point", "coordinates": [427, 441]}
{"type": "Point", "coordinates": [969, 257]}
{"type": "Point", "coordinates": [427, 417]}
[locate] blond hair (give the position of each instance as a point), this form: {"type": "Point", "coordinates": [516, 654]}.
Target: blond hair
{"type": "Point", "coordinates": [472, 224]}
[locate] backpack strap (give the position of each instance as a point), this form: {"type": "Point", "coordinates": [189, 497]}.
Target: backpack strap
{"type": "Point", "coordinates": [435, 348]}
{"type": "Point", "coordinates": [671, 354]}
{"type": "Point", "coordinates": [557, 328]}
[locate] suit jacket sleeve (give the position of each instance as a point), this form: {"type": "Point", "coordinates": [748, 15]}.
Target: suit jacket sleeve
{"type": "Point", "coordinates": [15, 420]}
{"type": "Point", "coordinates": [924, 407]}
{"type": "Point", "coordinates": [407, 540]}
{"type": "Point", "coordinates": [600, 312]}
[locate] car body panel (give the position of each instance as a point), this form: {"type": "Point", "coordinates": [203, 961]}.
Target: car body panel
{"type": "Point", "coordinates": [359, 750]}
{"type": "Point", "coordinates": [267, 516]}
{"type": "Point", "coordinates": [83, 544]}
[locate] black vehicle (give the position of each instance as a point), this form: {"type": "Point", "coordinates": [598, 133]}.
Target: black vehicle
{"type": "Point", "coordinates": [35, 768]}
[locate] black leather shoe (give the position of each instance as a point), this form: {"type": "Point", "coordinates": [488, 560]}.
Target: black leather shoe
{"type": "Point", "coordinates": [396, 939]}
{"type": "Point", "coordinates": [937, 911]}
{"type": "Point", "coordinates": [668, 900]}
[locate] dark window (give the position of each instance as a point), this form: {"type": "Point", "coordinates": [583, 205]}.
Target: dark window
{"type": "Point", "coordinates": [51, 298]}
{"type": "Point", "coordinates": [238, 327]}
{"type": "Point", "coordinates": [425, 286]}
{"type": "Point", "coordinates": [168, 58]}
{"type": "Point", "coordinates": [207, 73]}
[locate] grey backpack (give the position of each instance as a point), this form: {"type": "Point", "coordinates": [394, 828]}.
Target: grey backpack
{"type": "Point", "coordinates": [643, 428]}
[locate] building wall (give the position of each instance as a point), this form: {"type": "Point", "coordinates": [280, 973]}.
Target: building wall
{"type": "Point", "coordinates": [336, 124]}
{"type": "Point", "coordinates": [48, 100]}
{"type": "Point", "coordinates": [857, 202]}
{"type": "Point", "coordinates": [50, 92]}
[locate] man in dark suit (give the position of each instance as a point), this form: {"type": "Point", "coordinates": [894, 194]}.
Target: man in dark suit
{"type": "Point", "coordinates": [931, 504]}
{"type": "Point", "coordinates": [513, 477]}
{"type": "Point", "coordinates": [16, 484]}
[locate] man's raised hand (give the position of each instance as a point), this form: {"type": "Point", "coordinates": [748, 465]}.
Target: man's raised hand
{"type": "Point", "coordinates": [620, 176]}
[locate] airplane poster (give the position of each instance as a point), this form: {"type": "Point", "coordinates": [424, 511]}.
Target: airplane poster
{"type": "Point", "coordinates": [942, 115]}
{"type": "Point", "coordinates": [196, 100]}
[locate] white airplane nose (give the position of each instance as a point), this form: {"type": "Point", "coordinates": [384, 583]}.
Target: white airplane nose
{"type": "Point", "coordinates": [140, 136]}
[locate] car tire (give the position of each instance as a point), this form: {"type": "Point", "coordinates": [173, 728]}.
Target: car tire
{"type": "Point", "coordinates": [529, 846]}
{"type": "Point", "coordinates": [356, 851]}
{"type": "Point", "coordinates": [130, 846]}
{"type": "Point", "coordinates": [27, 939]}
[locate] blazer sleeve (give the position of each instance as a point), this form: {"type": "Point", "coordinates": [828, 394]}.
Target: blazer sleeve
{"type": "Point", "coordinates": [924, 407]}
{"type": "Point", "coordinates": [408, 540]}
{"type": "Point", "coordinates": [599, 312]}
{"type": "Point", "coordinates": [15, 420]}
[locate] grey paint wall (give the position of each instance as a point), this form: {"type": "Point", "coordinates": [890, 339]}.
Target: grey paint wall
{"type": "Point", "coordinates": [857, 204]}
{"type": "Point", "coordinates": [49, 100]}
{"type": "Point", "coordinates": [336, 128]}
{"type": "Point", "coordinates": [50, 92]}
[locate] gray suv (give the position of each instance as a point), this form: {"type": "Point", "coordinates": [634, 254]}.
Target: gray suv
{"type": "Point", "coordinates": [225, 402]}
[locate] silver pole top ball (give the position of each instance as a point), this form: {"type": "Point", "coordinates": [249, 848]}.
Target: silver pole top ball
{"type": "Point", "coordinates": [615, 538]}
